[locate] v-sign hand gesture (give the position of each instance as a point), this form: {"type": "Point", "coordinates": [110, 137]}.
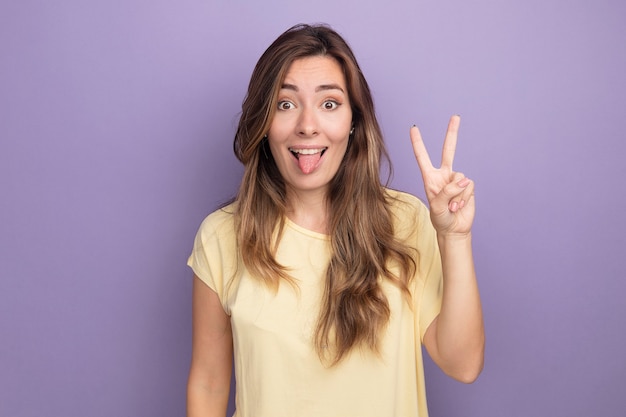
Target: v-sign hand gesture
{"type": "Point", "coordinates": [450, 194]}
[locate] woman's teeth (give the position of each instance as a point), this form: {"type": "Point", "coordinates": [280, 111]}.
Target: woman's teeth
{"type": "Point", "coordinates": [298, 152]}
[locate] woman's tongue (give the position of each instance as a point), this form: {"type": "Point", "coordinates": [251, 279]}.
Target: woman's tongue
{"type": "Point", "coordinates": [307, 163]}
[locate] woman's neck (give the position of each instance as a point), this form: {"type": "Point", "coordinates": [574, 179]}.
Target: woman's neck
{"type": "Point", "coordinates": [308, 210]}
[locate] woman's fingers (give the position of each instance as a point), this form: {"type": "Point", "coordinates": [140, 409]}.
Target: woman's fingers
{"type": "Point", "coordinates": [449, 144]}
{"type": "Point", "coordinates": [419, 149]}
{"type": "Point", "coordinates": [450, 194]}
{"type": "Point", "coordinates": [455, 194]}
{"type": "Point", "coordinates": [452, 209]}
{"type": "Point", "coordinates": [464, 197]}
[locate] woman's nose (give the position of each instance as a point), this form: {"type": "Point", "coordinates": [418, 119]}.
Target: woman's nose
{"type": "Point", "coordinates": [307, 123]}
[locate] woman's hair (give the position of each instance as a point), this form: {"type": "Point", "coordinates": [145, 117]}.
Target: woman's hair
{"type": "Point", "coordinates": [354, 309]}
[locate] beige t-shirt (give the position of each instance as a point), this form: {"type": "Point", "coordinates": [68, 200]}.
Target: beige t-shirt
{"type": "Point", "coordinates": [277, 371]}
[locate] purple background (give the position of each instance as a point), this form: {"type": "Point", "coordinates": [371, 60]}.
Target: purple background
{"type": "Point", "coordinates": [116, 121]}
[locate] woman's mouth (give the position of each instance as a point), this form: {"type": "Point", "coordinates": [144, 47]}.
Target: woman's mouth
{"type": "Point", "coordinates": [308, 159]}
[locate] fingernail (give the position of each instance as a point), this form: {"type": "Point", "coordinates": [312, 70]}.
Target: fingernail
{"type": "Point", "coordinates": [462, 204]}
{"type": "Point", "coordinates": [454, 206]}
{"type": "Point", "coordinates": [463, 182]}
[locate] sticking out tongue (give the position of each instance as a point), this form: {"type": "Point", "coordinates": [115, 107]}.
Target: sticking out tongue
{"type": "Point", "coordinates": [307, 163]}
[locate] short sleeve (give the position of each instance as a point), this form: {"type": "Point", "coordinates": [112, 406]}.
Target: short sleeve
{"type": "Point", "coordinates": [414, 227]}
{"type": "Point", "coordinates": [430, 276]}
{"type": "Point", "coordinates": [213, 257]}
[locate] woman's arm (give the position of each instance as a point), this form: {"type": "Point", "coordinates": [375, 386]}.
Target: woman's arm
{"type": "Point", "coordinates": [208, 386]}
{"type": "Point", "coordinates": [455, 340]}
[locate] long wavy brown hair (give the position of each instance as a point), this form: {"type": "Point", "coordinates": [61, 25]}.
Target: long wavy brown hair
{"type": "Point", "coordinates": [354, 310]}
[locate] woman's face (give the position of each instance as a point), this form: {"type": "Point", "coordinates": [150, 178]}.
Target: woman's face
{"type": "Point", "coordinates": [309, 134]}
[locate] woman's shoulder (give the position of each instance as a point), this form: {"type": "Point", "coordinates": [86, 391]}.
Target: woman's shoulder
{"type": "Point", "coordinates": [404, 205]}
{"type": "Point", "coordinates": [220, 221]}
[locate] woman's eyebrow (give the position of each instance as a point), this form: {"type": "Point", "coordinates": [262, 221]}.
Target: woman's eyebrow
{"type": "Point", "coordinates": [289, 87]}
{"type": "Point", "coordinates": [324, 87]}
{"type": "Point", "coordinates": [319, 88]}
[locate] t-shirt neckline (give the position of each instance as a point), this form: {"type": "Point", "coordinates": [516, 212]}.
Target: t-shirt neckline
{"type": "Point", "coordinates": [290, 223]}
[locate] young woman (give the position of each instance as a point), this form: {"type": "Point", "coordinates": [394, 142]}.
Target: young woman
{"type": "Point", "coordinates": [319, 281]}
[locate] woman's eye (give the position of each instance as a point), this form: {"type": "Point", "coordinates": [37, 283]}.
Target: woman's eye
{"type": "Point", "coordinates": [285, 105]}
{"type": "Point", "coordinates": [330, 105]}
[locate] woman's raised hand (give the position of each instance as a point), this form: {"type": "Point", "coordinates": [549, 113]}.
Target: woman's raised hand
{"type": "Point", "coordinates": [450, 194]}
